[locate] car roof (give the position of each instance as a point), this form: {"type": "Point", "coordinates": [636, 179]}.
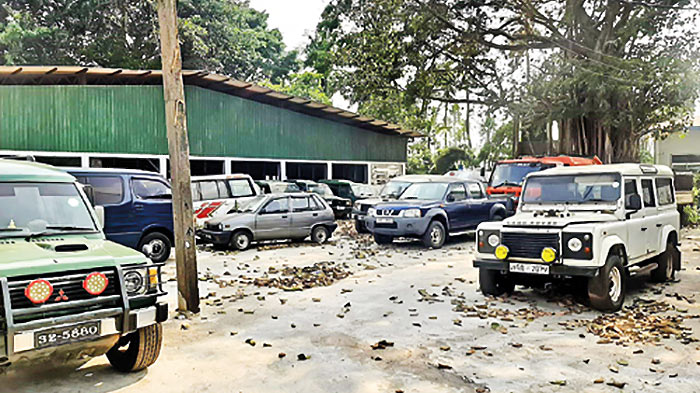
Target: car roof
{"type": "Point", "coordinates": [13, 170]}
{"type": "Point", "coordinates": [433, 179]}
{"type": "Point", "coordinates": [111, 171]}
{"type": "Point", "coordinates": [283, 194]}
{"type": "Point", "coordinates": [624, 169]}
{"type": "Point", "coordinates": [222, 177]}
{"type": "Point", "coordinates": [564, 159]}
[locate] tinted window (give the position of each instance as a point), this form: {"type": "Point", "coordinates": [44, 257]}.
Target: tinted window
{"type": "Point", "coordinates": [276, 206]}
{"type": "Point", "coordinates": [300, 204]}
{"type": "Point", "coordinates": [648, 193]}
{"type": "Point", "coordinates": [240, 188]}
{"type": "Point", "coordinates": [108, 189]}
{"type": "Point", "coordinates": [475, 191]}
{"type": "Point", "coordinates": [630, 189]}
{"type": "Point", "coordinates": [150, 189]}
{"type": "Point", "coordinates": [457, 192]}
{"type": "Point", "coordinates": [664, 189]}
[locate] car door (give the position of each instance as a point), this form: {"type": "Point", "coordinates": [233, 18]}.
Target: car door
{"type": "Point", "coordinates": [111, 192]}
{"type": "Point", "coordinates": [457, 206]}
{"type": "Point", "coordinates": [636, 237]}
{"type": "Point", "coordinates": [651, 232]}
{"type": "Point", "coordinates": [303, 216]}
{"type": "Point", "coordinates": [274, 220]}
{"type": "Point", "coordinates": [152, 204]}
{"type": "Point", "coordinates": [479, 208]}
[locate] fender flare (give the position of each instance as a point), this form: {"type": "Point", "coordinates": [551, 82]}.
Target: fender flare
{"type": "Point", "coordinates": [607, 244]}
{"type": "Point", "coordinates": [435, 212]}
{"type": "Point", "coordinates": [246, 229]}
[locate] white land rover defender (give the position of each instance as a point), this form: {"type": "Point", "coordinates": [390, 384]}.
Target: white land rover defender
{"type": "Point", "coordinates": [603, 223]}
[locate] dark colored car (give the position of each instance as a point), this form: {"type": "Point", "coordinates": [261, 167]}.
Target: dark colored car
{"type": "Point", "coordinates": [345, 189]}
{"type": "Point", "coordinates": [137, 205]}
{"type": "Point", "coordinates": [391, 191]}
{"type": "Point", "coordinates": [272, 217]}
{"type": "Point", "coordinates": [276, 187]}
{"type": "Point", "coordinates": [341, 206]}
{"type": "Point", "coordinates": [433, 209]}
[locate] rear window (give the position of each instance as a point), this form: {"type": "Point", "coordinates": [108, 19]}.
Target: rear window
{"type": "Point", "coordinates": [664, 189]}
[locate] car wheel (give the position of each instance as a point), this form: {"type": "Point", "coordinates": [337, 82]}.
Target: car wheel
{"type": "Point", "coordinates": [606, 291]}
{"type": "Point", "coordinates": [241, 240]}
{"type": "Point", "coordinates": [493, 283]}
{"type": "Point", "coordinates": [383, 239]}
{"type": "Point", "coordinates": [156, 246]}
{"type": "Point", "coordinates": [138, 350]}
{"type": "Point", "coordinates": [435, 236]}
{"type": "Point", "coordinates": [665, 271]}
{"type": "Point", "coordinates": [320, 234]}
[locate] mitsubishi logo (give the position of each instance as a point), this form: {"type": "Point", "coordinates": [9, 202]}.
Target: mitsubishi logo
{"type": "Point", "coordinates": [61, 296]}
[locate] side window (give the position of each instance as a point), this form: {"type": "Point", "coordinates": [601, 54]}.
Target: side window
{"type": "Point", "coordinates": [648, 193]}
{"type": "Point", "coordinates": [241, 188]}
{"type": "Point", "coordinates": [196, 193]}
{"type": "Point", "coordinates": [223, 190]}
{"type": "Point", "coordinates": [316, 203]}
{"type": "Point", "coordinates": [209, 190]}
{"type": "Point", "coordinates": [630, 189]}
{"type": "Point", "coordinates": [150, 189]}
{"type": "Point", "coordinates": [664, 189]}
{"type": "Point", "coordinates": [109, 190]}
{"type": "Point", "coordinates": [457, 192]}
{"type": "Point", "coordinates": [300, 204]}
{"type": "Point", "coordinates": [276, 206]}
{"type": "Point", "coordinates": [475, 191]}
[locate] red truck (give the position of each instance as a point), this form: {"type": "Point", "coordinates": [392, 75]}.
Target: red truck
{"type": "Point", "coordinates": [508, 175]}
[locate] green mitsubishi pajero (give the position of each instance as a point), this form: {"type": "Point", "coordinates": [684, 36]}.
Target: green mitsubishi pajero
{"type": "Point", "coordinates": [65, 291]}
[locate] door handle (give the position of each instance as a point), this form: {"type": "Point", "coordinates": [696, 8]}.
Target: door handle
{"type": "Point", "coordinates": [315, 214]}
{"type": "Point", "coordinates": [138, 207]}
{"type": "Point", "coordinates": [284, 216]}
{"type": "Point", "coordinates": [644, 229]}
{"type": "Point", "coordinates": [659, 225]}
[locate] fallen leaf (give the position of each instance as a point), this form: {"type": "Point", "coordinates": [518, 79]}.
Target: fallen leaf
{"type": "Point", "coordinates": [558, 382]}
{"type": "Point", "coordinates": [302, 356]}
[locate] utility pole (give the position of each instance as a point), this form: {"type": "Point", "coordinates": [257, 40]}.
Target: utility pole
{"type": "Point", "coordinates": [179, 150]}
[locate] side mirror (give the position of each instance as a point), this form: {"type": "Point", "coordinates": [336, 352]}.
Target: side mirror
{"type": "Point", "coordinates": [90, 194]}
{"type": "Point", "coordinates": [450, 198]}
{"type": "Point", "coordinates": [100, 211]}
{"type": "Point", "coordinates": [634, 203]}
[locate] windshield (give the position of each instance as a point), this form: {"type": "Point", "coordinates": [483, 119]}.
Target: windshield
{"type": "Point", "coordinates": [30, 208]}
{"type": "Point", "coordinates": [572, 189]}
{"type": "Point", "coordinates": [321, 189]}
{"type": "Point", "coordinates": [393, 189]}
{"type": "Point", "coordinates": [284, 187]}
{"type": "Point", "coordinates": [251, 205]}
{"type": "Point", "coordinates": [513, 174]}
{"type": "Point", "coordinates": [425, 191]}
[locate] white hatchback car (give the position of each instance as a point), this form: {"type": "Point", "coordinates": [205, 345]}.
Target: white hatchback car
{"type": "Point", "coordinates": [603, 223]}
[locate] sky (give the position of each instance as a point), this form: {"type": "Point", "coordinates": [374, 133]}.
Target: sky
{"type": "Point", "coordinates": [296, 19]}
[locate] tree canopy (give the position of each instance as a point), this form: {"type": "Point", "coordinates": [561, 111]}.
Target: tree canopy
{"type": "Point", "coordinates": [225, 36]}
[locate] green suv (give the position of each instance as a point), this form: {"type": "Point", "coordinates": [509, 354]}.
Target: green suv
{"type": "Point", "coordinates": [65, 291]}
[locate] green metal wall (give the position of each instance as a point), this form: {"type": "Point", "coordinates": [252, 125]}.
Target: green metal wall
{"type": "Point", "coordinates": [131, 119]}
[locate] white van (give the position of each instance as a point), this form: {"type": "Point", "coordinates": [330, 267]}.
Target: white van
{"type": "Point", "coordinates": [218, 195]}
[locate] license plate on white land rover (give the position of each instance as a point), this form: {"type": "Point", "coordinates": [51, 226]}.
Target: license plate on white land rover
{"type": "Point", "coordinates": [67, 334]}
{"type": "Point", "coordinates": [383, 220]}
{"type": "Point", "coordinates": [529, 268]}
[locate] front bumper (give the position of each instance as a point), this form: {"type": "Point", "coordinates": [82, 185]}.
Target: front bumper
{"type": "Point", "coordinates": [400, 227]}
{"type": "Point", "coordinates": [215, 237]}
{"type": "Point", "coordinates": [555, 269]}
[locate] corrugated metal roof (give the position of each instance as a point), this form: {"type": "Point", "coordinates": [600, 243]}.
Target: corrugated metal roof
{"type": "Point", "coordinates": [74, 75]}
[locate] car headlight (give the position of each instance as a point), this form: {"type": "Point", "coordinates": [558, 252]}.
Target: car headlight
{"type": "Point", "coordinates": [135, 282]}
{"type": "Point", "coordinates": [575, 244]}
{"type": "Point", "coordinates": [220, 227]}
{"type": "Point", "coordinates": [372, 212]}
{"type": "Point", "coordinates": [493, 240]}
{"type": "Point", "coordinates": [412, 213]}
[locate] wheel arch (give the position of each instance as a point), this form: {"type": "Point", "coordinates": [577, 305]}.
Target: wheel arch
{"type": "Point", "coordinates": [613, 245]}
{"type": "Point", "coordinates": [439, 215]}
{"type": "Point", "coordinates": [161, 229]}
{"type": "Point", "coordinates": [244, 229]}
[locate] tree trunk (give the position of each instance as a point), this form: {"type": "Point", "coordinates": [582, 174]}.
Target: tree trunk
{"type": "Point", "coordinates": [588, 137]}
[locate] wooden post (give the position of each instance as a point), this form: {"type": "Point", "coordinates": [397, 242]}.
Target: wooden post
{"type": "Point", "coordinates": [179, 149]}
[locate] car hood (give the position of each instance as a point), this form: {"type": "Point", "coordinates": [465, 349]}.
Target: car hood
{"type": "Point", "coordinates": [407, 204]}
{"type": "Point", "coordinates": [231, 218]}
{"type": "Point", "coordinates": [557, 221]}
{"type": "Point", "coordinates": [53, 254]}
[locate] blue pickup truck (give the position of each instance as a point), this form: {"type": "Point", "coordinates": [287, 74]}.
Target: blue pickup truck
{"type": "Point", "coordinates": [138, 208]}
{"type": "Point", "coordinates": [433, 209]}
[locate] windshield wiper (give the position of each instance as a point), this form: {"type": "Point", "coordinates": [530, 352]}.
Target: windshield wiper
{"type": "Point", "coordinates": [507, 183]}
{"type": "Point", "coordinates": [11, 229]}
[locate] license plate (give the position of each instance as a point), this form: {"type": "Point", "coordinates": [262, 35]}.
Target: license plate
{"type": "Point", "coordinates": [67, 334]}
{"type": "Point", "coordinates": [529, 268]}
{"type": "Point", "coordinates": [383, 220]}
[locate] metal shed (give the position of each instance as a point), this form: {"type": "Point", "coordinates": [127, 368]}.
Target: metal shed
{"type": "Point", "coordinates": [92, 117]}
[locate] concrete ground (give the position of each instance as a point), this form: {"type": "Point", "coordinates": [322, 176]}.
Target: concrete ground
{"type": "Point", "coordinates": [446, 336]}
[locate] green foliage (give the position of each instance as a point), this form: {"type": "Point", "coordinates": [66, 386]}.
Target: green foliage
{"type": "Point", "coordinates": [420, 159]}
{"type": "Point", "coordinates": [308, 85]}
{"type": "Point", "coordinates": [225, 36]}
{"type": "Point", "coordinates": [446, 159]}
{"type": "Point", "coordinates": [691, 214]}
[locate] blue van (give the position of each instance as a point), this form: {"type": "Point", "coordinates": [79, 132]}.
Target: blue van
{"type": "Point", "coordinates": [137, 206]}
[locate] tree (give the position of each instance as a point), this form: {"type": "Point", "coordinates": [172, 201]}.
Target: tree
{"type": "Point", "coordinates": [225, 36]}
{"type": "Point", "coordinates": [307, 84]}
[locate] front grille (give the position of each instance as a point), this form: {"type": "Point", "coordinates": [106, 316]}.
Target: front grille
{"type": "Point", "coordinates": [388, 212]}
{"type": "Point", "coordinates": [70, 301]}
{"type": "Point", "coordinates": [529, 245]}
{"type": "Point", "coordinates": [390, 225]}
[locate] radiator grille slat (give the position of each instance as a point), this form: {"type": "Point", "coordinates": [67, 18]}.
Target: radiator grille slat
{"type": "Point", "coordinates": [529, 245]}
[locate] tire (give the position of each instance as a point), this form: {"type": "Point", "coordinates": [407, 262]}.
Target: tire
{"type": "Point", "coordinates": [665, 271]}
{"type": "Point", "coordinates": [498, 217]}
{"type": "Point", "coordinates": [383, 239]}
{"type": "Point", "coordinates": [606, 291]}
{"type": "Point", "coordinates": [156, 246]}
{"type": "Point", "coordinates": [240, 240]}
{"type": "Point", "coordinates": [435, 235]}
{"type": "Point", "coordinates": [320, 234]}
{"type": "Point", "coordinates": [138, 350]}
{"type": "Point", "coordinates": [360, 227]}
{"type": "Point", "coordinates": [493, 283]}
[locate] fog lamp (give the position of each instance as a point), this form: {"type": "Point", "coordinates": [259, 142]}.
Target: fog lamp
{"type": "Point", "coordinates": [95, 283]}
{"type": "Point", "coordinates": [549, 255]}
{"type": "Point", "coordinates": [502, 252]}
{"type": "Point", "coordinates": [38, 291]}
